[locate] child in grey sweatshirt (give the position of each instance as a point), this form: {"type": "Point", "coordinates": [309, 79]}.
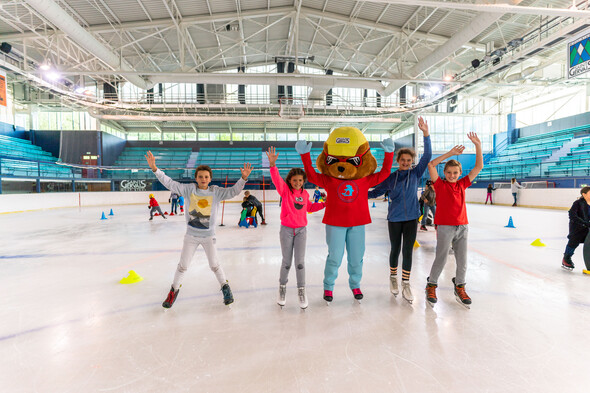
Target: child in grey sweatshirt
{"type": "Point", "coordinates": [202, 201]}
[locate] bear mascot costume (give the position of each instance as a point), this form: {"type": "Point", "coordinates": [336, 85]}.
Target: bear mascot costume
{"type": "Point", "coordinates": [346, 168]}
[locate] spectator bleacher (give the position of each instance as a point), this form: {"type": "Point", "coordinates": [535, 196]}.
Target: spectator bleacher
{"type": "Point", "coordinates": [575, 163]}
{"type": "Point", "coordinates": [19, 157]}
{"type": "Point", "coordinates": [171, 160]}
{"type": "Point", "coordinates": [226, 162]}
{"type": "Point", "coordinates": [524, 157]}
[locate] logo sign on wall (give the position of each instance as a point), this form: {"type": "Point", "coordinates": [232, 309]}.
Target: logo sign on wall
{"type": "Point", "coordinates": [3, 97]}
{"type": "Point", "coordinates": [578, 56]}
{"type": "Point", "coordinates": [133, 185]}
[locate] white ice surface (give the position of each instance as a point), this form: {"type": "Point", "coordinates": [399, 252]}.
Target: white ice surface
{"type": "Point", "coordinates": [67, 325]}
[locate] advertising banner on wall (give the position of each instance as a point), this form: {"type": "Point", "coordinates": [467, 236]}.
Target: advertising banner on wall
{"type": "Point", "coordinates": [578, 56]}
{"type": "Point", "coordinates": [3, 95]}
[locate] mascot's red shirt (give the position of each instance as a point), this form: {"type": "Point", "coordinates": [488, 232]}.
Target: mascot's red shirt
{"type": "Point", "coordinates": [346, 202]}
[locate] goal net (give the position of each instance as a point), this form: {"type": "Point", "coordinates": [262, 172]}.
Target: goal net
{"type": "Point", "coordinates": [528, 184]}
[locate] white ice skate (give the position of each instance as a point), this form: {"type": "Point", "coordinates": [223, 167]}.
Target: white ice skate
{"type": "Point", "coordinates": [393, 286]}
{"type": "Point", "coordinates": [407, 292]}
{"type": "Point", "coordinates": [302, 298]}
{"type": "Point", "coordinates": [282, 294]}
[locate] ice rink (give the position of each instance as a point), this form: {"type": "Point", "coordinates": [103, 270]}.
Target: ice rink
{"type": "Point", "coordinates": [69, 326]}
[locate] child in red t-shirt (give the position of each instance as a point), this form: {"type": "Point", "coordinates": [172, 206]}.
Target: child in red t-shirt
{"type": "Point", "coordinates": [451, 218]}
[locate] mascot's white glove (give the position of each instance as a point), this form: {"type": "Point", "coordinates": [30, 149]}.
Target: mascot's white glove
{"type": "Point", "coordinates": [303, 147]}
{"type": "Point", "coordinates": [388, 145]}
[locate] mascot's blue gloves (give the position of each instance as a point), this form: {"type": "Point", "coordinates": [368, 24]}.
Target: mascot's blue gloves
{"type": "Point", "coordinates": [388, 145]}
{"type": "Point", "coordinates": [303, 147]}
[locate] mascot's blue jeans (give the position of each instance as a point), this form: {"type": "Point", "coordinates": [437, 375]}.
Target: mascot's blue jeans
{"type": "Point", "coordinates": [353, 238]}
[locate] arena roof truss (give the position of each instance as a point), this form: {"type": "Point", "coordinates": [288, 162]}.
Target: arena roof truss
{"type": "Point", "coordinates": [376, 44]}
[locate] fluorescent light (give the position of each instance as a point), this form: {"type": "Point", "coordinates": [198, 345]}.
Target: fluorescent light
{"type": "Point", "coordinates": [53, 76]}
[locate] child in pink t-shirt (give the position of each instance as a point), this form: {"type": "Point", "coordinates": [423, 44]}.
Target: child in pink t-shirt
{"type": "Point", "coordinates": [293, 233]}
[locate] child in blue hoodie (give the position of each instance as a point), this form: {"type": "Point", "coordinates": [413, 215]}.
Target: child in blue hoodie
{"type": "Point", "coordinates": [404, 210]}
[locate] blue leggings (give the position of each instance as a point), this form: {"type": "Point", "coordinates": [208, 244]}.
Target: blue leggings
{"type": "Point", "coordinates": [353, 238]}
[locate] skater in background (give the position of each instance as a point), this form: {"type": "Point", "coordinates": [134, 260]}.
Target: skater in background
{"type": "Point", "coordinates": [154, 206]}
{"type": "Point", "coordinates": [293, 232]}
{"type": "Point", "coordinates": [579, 215]}
{"type": "Point", "coordinates": [404, 211]}
{"type": "Point", "coordinates": [451, 218]}
{"type": "Point", "coordinates": [514, 186]}
{"type": "Point", "coordinates": [316, 194]}
{"type": "Point", "coordinates": [174, 200]}
{"type": "Point", "coordinates": [489, 196]}
{"type": "Point", "coordinates": [203, 203]}
{"type": "Point", "coordinates": [181, 204]}
{"type": "Point", "coordinates": [428, 198]}
{"type": "Point", "coordinates": [252, 200]}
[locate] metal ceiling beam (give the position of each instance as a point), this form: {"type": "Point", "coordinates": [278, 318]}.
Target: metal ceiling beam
{"type": "Point", "coordinates": [164, 23]}
{"type": "Point", "coordinates": [62, 20]}
{"type": "Point", "coordinates": [331, 16]}
{"type": "Point", "coordinates": [492, 8]}
{"type": "Point", "coordinates": [153, 119]}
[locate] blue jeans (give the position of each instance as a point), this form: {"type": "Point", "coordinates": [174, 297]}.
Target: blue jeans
{"type": "Point", "coordinates": [174, 207]}
{"type": "Point", "coordinates": [425, 215]}
{"type": "Point", "coordinates": [353, 238]}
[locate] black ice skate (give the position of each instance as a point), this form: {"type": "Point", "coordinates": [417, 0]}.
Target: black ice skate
{"type": "Point", "coordinates": [431, 294]}
{"type": "Point", "coordinates": [461, 295]}
{"type": "Point", "coordinates": [228, 298]}
{"type": "Point", "coordinates": [328, 296]}
{"type": "Point", "coordinates": [171, 298]}
{"type": "Point", "coordinates": [567, 262]}
{"type": "Point", "coordinates": [358, 295]}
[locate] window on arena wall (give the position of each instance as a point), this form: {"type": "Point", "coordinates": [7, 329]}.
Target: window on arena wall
{"type": "Point", "coordinates": [447, 131]}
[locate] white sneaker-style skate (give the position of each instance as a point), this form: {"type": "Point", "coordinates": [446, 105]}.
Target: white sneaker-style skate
{"type": "Point", "coordinates": [407, 292]}
{"type": "Point", "coordinates": [282, 294]}
{"type": "Point", "coordinates": [393, 286]}
{"type": "Point", "coordinates": [302, 298]}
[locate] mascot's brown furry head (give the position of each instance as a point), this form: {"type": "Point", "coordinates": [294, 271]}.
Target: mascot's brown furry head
{"type": "Point", "coordinates": [346, 155]}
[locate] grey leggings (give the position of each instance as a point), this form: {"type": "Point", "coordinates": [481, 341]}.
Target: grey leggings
{"type": "Point", "coordinates": [155, 209]}
{"type": "Point", "coordinates": [293, 243]}
{"type": "Point", "coordinates": [447, 235]}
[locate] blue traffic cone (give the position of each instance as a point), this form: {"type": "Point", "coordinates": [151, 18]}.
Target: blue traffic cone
{"type": "Point", "coordinates": [374, 204]}
{"type": "Point", "coordinates": [111, 213]}
{"type": "Point", "coordinates": [510, 223]}
{"type": "Point", "coordinates": [103, 216]}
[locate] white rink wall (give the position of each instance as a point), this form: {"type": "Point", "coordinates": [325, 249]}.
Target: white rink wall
{"type": "Point", "coordinates": [553, 198]}
{"type": "Point", "coordinates": [11, 203]}
{"type": "Point", "coordinates": [561, 198]}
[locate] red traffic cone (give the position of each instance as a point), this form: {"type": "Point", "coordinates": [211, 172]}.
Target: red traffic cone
{"type": "Point", "coordinates": [171, 214]}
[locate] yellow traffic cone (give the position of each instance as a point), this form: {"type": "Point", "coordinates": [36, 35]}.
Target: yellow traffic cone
{"type": "Point", "coordinates": [131, 278]}
{"type": "Point", "coordinates": [538, 243]}
{"type": "Point", "coordinates": [416, 244]}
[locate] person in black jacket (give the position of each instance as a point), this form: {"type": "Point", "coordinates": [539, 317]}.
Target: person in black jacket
{"type": "Point", "coordinates": [579, 215]}
{"type": "Point", "coordinates": [252, 200]}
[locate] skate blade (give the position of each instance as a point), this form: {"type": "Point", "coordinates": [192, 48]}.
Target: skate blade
{"type": "Point", "coordinates": [281, 305]}
{"type": "Point", "coordinates": [430, 304]}
{"type": "Point", "coordinates": [409, 301]}
{"type": "Point", "coordinates": [467, 306]}
{"type": "Point", "coordinates": [569, 269]}
{"type": "Point", "coordinates": [395, 294]}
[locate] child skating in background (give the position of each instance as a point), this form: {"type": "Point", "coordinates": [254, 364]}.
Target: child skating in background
{"type": "Point", "coordinates": [154, 206]}
{"type": "Point", "coordinates": [181, 205]}
{"type": "Point", "coordinates": [203, 201]}
{"type": "Point", "coordinates": [489, 196]}
{"type": "Point", "coordinates": [451, 219]}
{"type": "Point", "coordinates": [579, 215]}
{"type": "Point", "coordinates": [174, 200]}
{"type": "Point", "coordinates": [293, 233]}
{"type": "Point", "coordinates": [316, 195]}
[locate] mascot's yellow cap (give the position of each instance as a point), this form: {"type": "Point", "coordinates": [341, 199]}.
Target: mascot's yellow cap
{"type": "Point", "coordinates": [345, 141]}
{"type": "Point", "coordinates": [151, 195]}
